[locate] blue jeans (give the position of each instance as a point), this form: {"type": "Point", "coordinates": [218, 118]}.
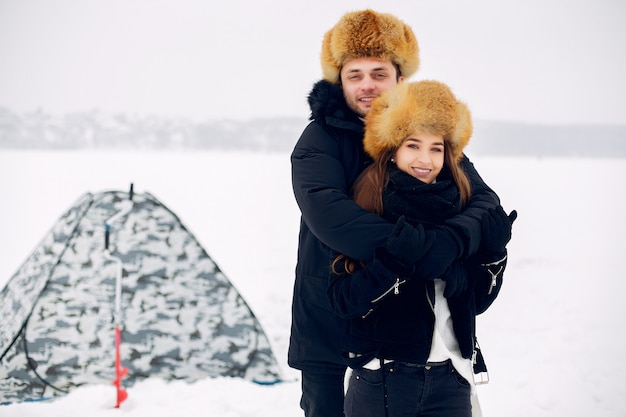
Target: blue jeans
{"type": "Point", "coordinates": [406, 390]}
{"type": "Point", "coordinates": [322, 394]}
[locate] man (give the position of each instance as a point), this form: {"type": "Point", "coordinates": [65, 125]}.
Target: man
{"type": "Point", "coordinates": [364, 54]}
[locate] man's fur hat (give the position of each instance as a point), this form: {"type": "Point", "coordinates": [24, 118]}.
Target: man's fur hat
{"type": "Point", "coordinates": [370, 34]}
{"type": "Point", "coordinates": [408, 108]}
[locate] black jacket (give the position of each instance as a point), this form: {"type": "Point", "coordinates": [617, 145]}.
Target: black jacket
{"type": "Point", "coordinates": [326, 161]}
{"type": "Point", "coordinates": [392, 317]}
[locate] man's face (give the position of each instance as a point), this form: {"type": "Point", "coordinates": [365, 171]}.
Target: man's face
{"type": "Point", "coordinates": [364, 79]}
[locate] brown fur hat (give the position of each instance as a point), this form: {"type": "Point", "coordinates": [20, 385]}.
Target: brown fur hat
{"type": "Point", "coordinates": [368, 33]}
{"type": "Point", "coordinates": [424, 106]}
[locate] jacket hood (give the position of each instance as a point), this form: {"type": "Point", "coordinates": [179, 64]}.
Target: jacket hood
{"type": "Point", "coordinates": [328, 104]}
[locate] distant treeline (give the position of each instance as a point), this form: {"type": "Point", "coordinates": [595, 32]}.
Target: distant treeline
{"type": "Point", "coordinates": [508, 138]}
{"type": "Point", "coordinates": [97, 130]}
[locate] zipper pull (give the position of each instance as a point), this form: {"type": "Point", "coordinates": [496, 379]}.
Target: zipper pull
{"type": "Point", "coordinates": [396, 287]}
{"type": "Point", "coordinates": [494, 279]}
{"type": "Point", "coordinates": [494, 282]}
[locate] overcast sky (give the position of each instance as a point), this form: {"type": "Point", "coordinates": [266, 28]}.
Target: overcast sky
{"type": "Point", "coordinates": [541, 61]}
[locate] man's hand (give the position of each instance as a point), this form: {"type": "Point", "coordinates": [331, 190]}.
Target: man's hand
{"type": "Point", "coordinates": [496, 229]}
{"type": "Point", "coordinates": [404, 247]}
{"type": "Point", "coordinates": [446, 247]}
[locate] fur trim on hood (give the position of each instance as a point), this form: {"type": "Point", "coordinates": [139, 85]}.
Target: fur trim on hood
{"type": "Point", "coordinates": [328, 104]}
{"type": "Point", "coordinates": [408, 108]}
{"type": "Point", "coordinates": [367, 33]}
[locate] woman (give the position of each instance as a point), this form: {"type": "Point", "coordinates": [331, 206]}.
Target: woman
{"type": "Point", "coordinates": [412, 340]}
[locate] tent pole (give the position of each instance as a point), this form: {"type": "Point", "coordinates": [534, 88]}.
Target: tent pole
{"type": "Point", "coordinates": [120, 371]}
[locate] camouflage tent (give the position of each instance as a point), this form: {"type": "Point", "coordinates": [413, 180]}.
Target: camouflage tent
{"type": "Point", "coordinates": [181, 317]}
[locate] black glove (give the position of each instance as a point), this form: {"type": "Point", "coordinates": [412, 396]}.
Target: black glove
{"type": "Point", "coordinates": [496, 230]}
{"type": "Point", "coordinates": [404, 247]}
{"type": "Point", "coordinates": [445, 248]}
{"type": "Point", "coordinates": [456, 280]}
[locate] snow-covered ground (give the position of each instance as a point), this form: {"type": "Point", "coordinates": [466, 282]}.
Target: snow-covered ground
{"type": "Point", "coordinates": [552, 340]}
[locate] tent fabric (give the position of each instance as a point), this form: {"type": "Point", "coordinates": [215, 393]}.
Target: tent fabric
{"type": "Point", "coordinates": [181, 317]}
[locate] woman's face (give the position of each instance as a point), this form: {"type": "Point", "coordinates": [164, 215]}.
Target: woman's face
{"type": "Point", "coordinates": [421, 156]}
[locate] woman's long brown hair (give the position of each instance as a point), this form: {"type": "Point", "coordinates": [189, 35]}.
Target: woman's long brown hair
{"type": "Point", "coordinates": [368, 191]}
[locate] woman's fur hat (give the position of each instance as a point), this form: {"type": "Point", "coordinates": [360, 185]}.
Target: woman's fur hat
{"type": "Point", "coordinates": [408, 108]}
{"type": "Point", "coordinates": [370, 34]}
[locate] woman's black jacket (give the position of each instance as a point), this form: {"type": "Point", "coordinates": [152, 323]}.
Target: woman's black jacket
{"type": "Point", "coordinates": [392, 316]}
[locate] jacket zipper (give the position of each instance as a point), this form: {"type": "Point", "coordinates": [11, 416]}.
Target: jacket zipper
{"type": "Point", "coordinates": [395, 288]}
{"type": "Point", "coordinates": [494, 279]}
{"type": "Point", "coordinates": [430, 302]}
